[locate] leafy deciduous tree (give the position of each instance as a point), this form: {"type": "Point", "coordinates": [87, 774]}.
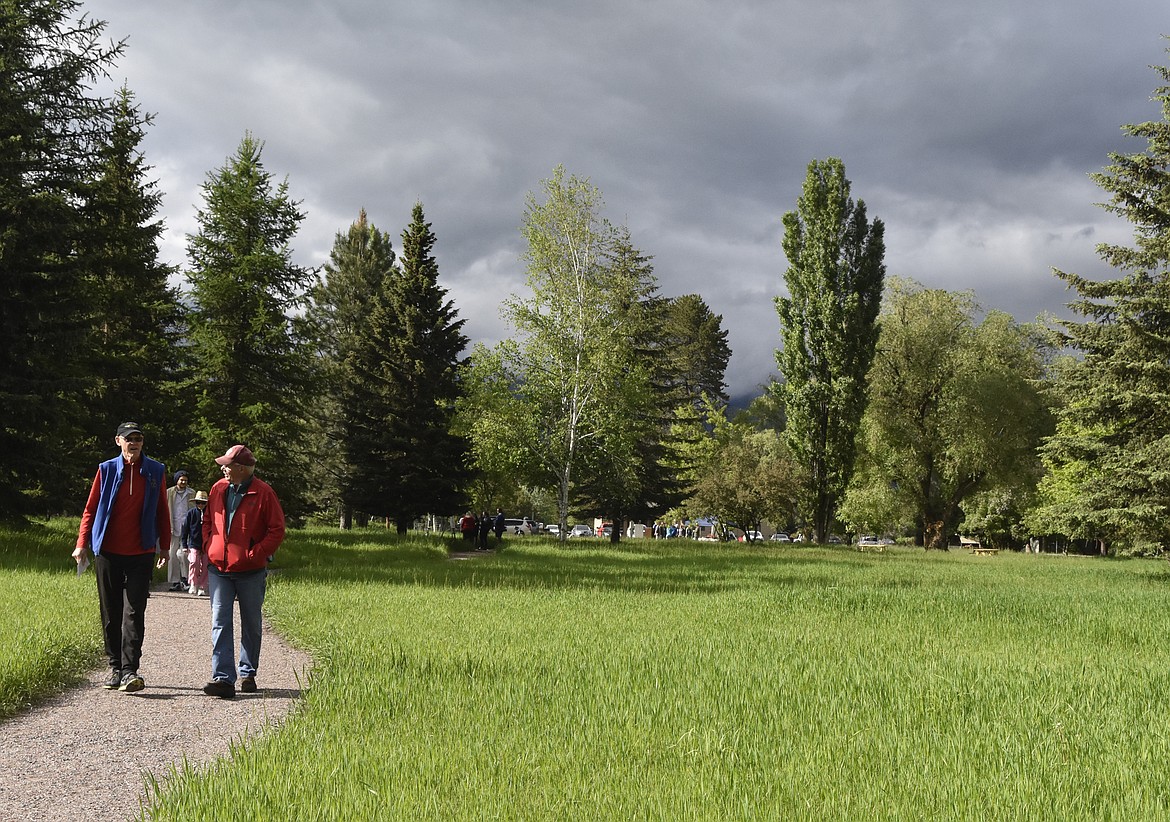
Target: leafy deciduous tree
{"type": "Point", "coordinates": [828, 329]}
{"type": "Point", "coordinates": [954, 409]}
{"type": "Point", "coordinates": [750, 477]}
{"type": "Point", "coordinates": [560, 392]}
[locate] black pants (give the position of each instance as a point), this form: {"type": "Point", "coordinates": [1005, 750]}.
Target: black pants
{"type": "Point", "coordinates": [123, 583]}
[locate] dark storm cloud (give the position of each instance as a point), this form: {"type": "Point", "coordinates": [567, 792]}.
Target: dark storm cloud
{"type": "Point", "coordinates": [969, 129]}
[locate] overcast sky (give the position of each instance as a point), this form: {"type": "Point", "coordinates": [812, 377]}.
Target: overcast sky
{"type": "Point", "coordinates": [970, 129]}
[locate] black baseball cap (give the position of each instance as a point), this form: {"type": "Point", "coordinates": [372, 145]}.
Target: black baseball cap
{"type": "Point", "coordinates": [129, 428]}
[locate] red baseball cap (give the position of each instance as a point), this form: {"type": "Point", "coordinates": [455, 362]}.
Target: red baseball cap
{"type": "Point", "coordinates": [237, 453]}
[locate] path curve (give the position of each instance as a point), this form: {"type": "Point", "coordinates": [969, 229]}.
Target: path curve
{"type": "Point", "coordinates": [84, 753]}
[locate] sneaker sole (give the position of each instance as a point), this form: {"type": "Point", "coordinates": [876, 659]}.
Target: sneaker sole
{"type": "Point", "coordinates": [132, 686]}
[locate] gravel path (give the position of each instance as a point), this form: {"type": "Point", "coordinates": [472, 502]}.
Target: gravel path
{"type": "Point", "coordinates": [84, 753]}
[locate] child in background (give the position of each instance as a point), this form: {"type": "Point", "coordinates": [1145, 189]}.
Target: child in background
{"type": "Point", "coordinates": [191, 539]}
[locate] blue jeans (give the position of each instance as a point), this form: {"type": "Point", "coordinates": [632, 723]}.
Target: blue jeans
{"type": "Point", "coordinates": [226, 589]}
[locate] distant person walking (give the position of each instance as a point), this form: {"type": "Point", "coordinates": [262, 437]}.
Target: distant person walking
{"type": "Point", "coordinates": [192, 541]}
{"type": "Point", "coordinates": [485, 528]}
{"type": "Point", "coordinates": [127, 526]}
{"type": "Point", "coordinates": [178, 501]}
{"type": "Point", "coordinates": [467, 527]}
{"type": "Point", "coordinates": [498, 525]}
{"type": "Point", "coordinates": [242, 528]}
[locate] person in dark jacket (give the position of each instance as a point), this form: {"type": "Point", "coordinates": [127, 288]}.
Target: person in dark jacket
{"type": "Point", "coordinates": [242, 528]}
{"type": "Point", "coordinates": [498, 525]}
{"type": "Point", "coordinates": [485, 528]}
{"type": "Point", "coordinates": [127, 526]}
{"type": "Point", "coordinates": [191, 538]}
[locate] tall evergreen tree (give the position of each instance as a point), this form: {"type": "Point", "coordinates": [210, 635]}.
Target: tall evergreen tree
{"type": "Point", "coordinates": [1119, 420]}
{"type": "Point", "coordinates": [696, 349]}
{"type": "Point", "coordinates": [135, 314]}
{"type": "Point", "coordinates": [828, 326]}
{"type": "Point", "coordinates": [400, 389]}
{"type": "Point", "coordinates": [50, 123]}
{"type": "Point", "coordinates": [253, 366]}
{"type": "Point", "coordinates": [360, 263]}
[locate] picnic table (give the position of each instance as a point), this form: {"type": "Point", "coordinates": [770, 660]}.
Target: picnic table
{"type": "Point", "coordinates": [976, 547]}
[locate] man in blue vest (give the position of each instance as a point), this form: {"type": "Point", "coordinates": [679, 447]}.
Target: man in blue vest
{"type": "Point", "coordinates": [125, 522]}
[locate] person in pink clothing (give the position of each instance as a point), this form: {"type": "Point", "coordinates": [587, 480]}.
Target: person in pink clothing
{"type": "Point", "coordinates": [192, 541]}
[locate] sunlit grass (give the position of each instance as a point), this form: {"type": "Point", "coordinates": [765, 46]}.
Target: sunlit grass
{"type": "Point", "coordinates": [680, 681]}
{"type": "Point", "coordinates": [48, 617]}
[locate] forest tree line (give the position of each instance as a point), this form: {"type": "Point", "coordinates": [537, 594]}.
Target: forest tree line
{"type": "Point", "coordinates": [899, 409]}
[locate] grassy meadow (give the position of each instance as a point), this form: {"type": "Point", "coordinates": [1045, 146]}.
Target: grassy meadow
{"type": "Point", "coordinates": [688, 681]}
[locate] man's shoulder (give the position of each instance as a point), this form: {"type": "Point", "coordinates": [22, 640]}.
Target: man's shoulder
{"type": "Point", "coordinates": [152, 465]}
{"type": "Point", "coordinates": [260, 486]}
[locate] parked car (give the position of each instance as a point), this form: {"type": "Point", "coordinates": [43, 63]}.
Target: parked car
{"type": "Point", "coordinates": [553, 529]}
{"type": "Point", "coordinates": [580, 531]}
{"type": "Point", "coordinates": [869, 541]}
{"type": "Point", "coordinates": [518, 527]}
{"type": "Point", "coordinates": [779, 537]}
{"type": "Point", "coordinates": [751, 536]}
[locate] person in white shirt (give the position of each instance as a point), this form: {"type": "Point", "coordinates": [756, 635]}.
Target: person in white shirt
{"type": "Point", "coordinates": [179, 499]}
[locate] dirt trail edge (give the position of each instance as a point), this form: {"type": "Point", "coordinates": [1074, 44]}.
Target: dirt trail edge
{"type": "Point", "coordinates": [84, 753]}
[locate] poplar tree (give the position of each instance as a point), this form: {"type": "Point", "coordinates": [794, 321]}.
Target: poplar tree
{"type": "Point", "coordinates": [829, 331]}
{"type": "Point", "coordinates": [253, 366]}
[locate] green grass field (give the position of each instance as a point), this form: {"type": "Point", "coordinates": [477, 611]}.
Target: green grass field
{"type": "Point", "coordinates": [684, 681]}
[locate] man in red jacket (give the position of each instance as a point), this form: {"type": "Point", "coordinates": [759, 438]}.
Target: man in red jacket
{"type": "Point", "coordinates": [126, 524]}
{"type": "Point", "coordinates": [243, 526]}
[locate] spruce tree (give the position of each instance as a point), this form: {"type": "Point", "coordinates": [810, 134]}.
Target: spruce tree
{"type": "Point", "coordinates": [50, 123]}
{"type": "Point", "coordinates": [253, 366]}
{"type": "Point", "coordinates": [135, 317]}
{"type": "Point", "coordinates": [360, 263]}
{"type": "Point", "coordinates": [1117, 422]}
{"type": "Point", "coordinates": [400, 389]}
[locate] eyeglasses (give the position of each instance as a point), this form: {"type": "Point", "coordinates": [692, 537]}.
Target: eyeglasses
{"type": "Point", "coordinates": [133, 438]}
